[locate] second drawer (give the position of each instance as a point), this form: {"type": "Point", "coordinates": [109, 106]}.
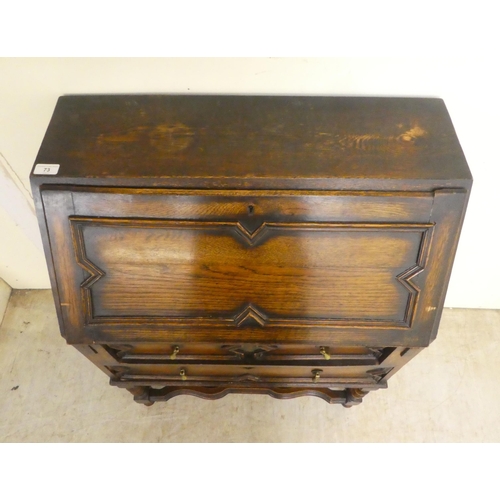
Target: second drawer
{"type": "Point", "coordinates": [279, 375]}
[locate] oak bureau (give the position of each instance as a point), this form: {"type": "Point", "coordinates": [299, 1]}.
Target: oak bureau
{"type": "Point", "coordinates": [280, 245]}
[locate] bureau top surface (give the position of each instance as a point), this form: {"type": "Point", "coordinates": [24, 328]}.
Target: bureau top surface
{"type": "Point", "coordinates": [252, 141]}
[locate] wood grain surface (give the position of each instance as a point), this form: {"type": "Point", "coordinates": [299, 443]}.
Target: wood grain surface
{"type": "Point", "coordinates": [238, 141]}
{"type": "Point", "coordinates": [281, 245]}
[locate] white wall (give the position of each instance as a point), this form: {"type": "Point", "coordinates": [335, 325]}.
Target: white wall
{"type": "Point", "coordinates": [29, 89]}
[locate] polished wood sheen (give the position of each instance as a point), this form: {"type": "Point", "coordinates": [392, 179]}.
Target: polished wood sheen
{"type": "Point", "coordinates": [289, 246]}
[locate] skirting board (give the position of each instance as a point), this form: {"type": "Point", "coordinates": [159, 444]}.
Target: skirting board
{"type": "Point", "coordinates": [4, 298]}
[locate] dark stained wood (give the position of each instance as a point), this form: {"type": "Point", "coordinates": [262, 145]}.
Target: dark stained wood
{"type": "Point", "coordinates": [221, 353]}
{"type": "Point", "coordinates": [291, 273]}
{"type": "Point", "coordinates": [269, 205]}
{"type": "Point", "coordinates": [209, 245]}
{"type": "Point", "coordinates": [297, 142]}
{"type": "Point", "coordinates": [354, 397]}
{"type": "Point", "coordinates": [153, 395]}
{"type": "Point", "coordinates": [268, 375]}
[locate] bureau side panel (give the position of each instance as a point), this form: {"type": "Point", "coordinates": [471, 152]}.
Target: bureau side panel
{"type": "Point", "coordinates": [447, 216]}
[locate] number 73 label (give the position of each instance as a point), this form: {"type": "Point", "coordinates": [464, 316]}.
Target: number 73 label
{"type": "Point", "coordinates": [46, 169]}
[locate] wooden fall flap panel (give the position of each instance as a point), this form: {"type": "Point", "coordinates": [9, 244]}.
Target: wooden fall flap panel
{"type": "Point", "coordinates": [344, 267]}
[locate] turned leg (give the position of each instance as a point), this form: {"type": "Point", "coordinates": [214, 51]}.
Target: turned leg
{"type": "Point", "coordinates": [354, 397]}
{"type": "Point", "coordinates": [141, 395]}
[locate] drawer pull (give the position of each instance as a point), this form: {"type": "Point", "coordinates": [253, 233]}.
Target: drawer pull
{"type": "Point", "coordinates": [322, 350]}
{"type": "Point", "coordinates": [316, 375]}
{"type": "Point", "coordinates": [175, 352]}
{"type": "Point", "coordinates": [182, 373]}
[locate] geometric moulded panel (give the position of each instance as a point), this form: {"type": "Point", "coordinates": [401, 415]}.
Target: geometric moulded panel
{"type": "Point", "coordinates": [281, 274]}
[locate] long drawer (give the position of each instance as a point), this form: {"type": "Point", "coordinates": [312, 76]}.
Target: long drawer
{"type": "Point", "coordinates": [244, 352]}
{"type": "Point", "coordinates": [269, 375]}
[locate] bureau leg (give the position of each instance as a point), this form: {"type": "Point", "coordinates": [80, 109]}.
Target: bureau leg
{"type": "Point", "coordinates": [354, 397]}
{"type": "Point", "coordinates": [141, 395]}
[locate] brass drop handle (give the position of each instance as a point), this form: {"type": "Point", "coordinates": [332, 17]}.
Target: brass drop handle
{"type": "Point", "coordinates": [175, 352]}
{"type": "Point", "coordinates": [316, 375]}
{"type": "Point", "coordinates": [322, 350]}
{"type": "Point", "coordinates": [182, 373]}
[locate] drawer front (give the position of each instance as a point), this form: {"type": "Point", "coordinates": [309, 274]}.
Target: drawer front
{"type": "Point", "coordinates": [254, 353]}
{"type": "Point", "coordinates": [268, 267]}
{"type": "Point", "coordinates": [213, 375]}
